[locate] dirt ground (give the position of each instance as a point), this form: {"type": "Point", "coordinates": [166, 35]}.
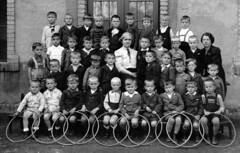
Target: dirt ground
{"type": "Point", "coordinates": [31, 146]}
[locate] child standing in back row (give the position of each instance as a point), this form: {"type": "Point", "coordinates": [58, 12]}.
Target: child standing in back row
{"type": "Point", "coordinates": [184, 33]}
{"type": "Point", "coordinates": [147, 31]}
{"type": "Point", "coordinates": [49, 30]}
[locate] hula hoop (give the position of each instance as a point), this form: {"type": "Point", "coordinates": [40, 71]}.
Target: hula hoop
{"type": "Point", "coordinates": [127, 130]}
{"type": "Point", "coordinates": [78, 142]}
{"type": "Point", "coordinates": [164, 144]}
{"type": "Point", "coordinates": [234, 132]}
{"type": "Point", "coordinates": [101, 143]}
{"type": "Point", "coordinates": [191, 129]}
{"type": "Point", "coordinates": [199, 130]}
{"type": "Point", "coordinates": [42, 142]}
{"type": "Point", "coordinates": [64, 131]}
{"type": "Point", "coordinates": [134, 143]}
{"type": "Point", "coordinates": [7, 128]}
{"type": "Point", "coordinates": [148, 143]}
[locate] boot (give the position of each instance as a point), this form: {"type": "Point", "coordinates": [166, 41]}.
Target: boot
{"type": "Point", "coordinates": [214, 140]}
{"type": "Point", "coordinates": [197, 137]}
{"type": "Point", "coordinates": [184, 135]}
{"type": "Point", "coordinates": [26, 134]}
{"type": "Point", "coordinates": [175, 138]}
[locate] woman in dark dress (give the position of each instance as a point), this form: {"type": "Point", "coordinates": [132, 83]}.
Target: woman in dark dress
{"type": "Point", "coordinates": [212, 55]}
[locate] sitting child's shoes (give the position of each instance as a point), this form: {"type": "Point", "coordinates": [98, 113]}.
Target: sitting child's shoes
{"type": "Point", "coordinates": [175, 138]}
{"type": "Point", "coordinates": [50, 135]}
{"type": "Point", "coordinates": [26, 135]}
{"type": "Point", "coordinates": [184, 138]}
{"type": "Point", "coordinates": [197, 140]}
{"type": "Point", "coordinates": [214, 140]}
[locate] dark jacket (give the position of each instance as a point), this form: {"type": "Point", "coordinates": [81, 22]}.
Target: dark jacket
{"type": "Point", "coordinates": [114, 41]}
{"type": "Point", "coordinates": [64, 33]}
{"type": "Point", "coordinates": [193, 104]}
{"type": "Point", "coordinates": [81, 32]}
{"type": "Point", "coordinates": [92, 101]}
{"type": "Point", "coordinates": [86, 58]}
{"type": "Point", "coordinates": [59, 78]}
{"type": "Point", "coordinates": [79, 72]}
{"type": "Point", "coordinates": [65, 60]}
{"type": "Point", "coordinates": [71, 99]}
{"type": "Point", "coordinates": [153, 102]}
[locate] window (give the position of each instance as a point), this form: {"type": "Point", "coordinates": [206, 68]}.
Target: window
{"type": "Point", "coordinates": [3, 30]}
{"type": "Point", "coordinates": [107, 8]}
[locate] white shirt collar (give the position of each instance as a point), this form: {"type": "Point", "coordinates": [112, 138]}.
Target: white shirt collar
{"type": "Point", "coordinates": [150, 94]}
{"type": "Point", "coordinates": [110, 66]}
{"type": "Point", "coordinates": [130, 95]}
{"type": "Point", "coordinates": [92, 91]}
{"type": "Point", "coordinates": [87, 51]}
{"type": "Point", "coordinates": [145, 49]}
{"type": "Point", "coordinates": [74, 90]}
{"type": "Point", "coordinates": [72, 49]}
{"type": "Point", "coordinates": [105, 49]}
{"type": "Point", "coordinates": [192, 93]}
{"type": "Point", "coordinates": [86, 27]}
{"type": "Point", "coordinates": [69, 27]}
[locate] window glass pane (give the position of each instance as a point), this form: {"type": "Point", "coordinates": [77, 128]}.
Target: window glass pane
{"type": "Point", "coordinates": [97, 8]}
{"type": "Point", "coordinates": [105, 10]}
{"type": "Point", "coordinates": [141, 10]}
{"type": "Point", "coordinates": [3, 30]}
{"type": "Point", "coordinates": [113, 8]}
{"type": "Point", "coordinates": [133, 8]}
{"type": "Point", "coordinates": [149, 8]}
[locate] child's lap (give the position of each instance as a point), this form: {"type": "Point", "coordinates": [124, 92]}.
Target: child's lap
{"type": "Point", "coordinates": [211, 117]}
{"type": "Point", "coordinates": [150, 117]}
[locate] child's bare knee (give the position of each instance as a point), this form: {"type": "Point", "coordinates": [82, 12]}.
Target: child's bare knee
{"type": "Point", "coordinates": [215, 121]}
{"type": "Point", "coordinates": [144, 123]}
{"type": "Point", "coordinates": [154, 124]}
{"type": "Point", "coordinates": [204, 120]}
{"type": "Point", "coordinates": [72, 119]}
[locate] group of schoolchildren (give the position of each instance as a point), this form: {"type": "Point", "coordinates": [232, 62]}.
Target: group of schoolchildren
{"type": "Point", "coordinates": [74, 68]}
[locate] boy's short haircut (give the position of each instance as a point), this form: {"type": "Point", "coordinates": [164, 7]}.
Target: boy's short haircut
{"type": "Point", "coordinates": [191, 60]}
{"type": "Point", "coordinates": [72, 37]}
{"type": "Point", "coordinates": [93, 78]}
{"type": "Point", "coordinates": [87, 16]}
{"type": "Point", "coordinates": [116, 80]}
{"type": "Point", "coordinates": [98, 17]}
{"type": "Point", "coordinates": [144, 37]}
{"type": "Point", "coordinates": [56, 35]}
{"type": "Point", "coordinates": [109, 54]}
{"type": "Point", "coordinates": [158, 37]}
{"type": "Point", "coordinates": [210, 80]}
{"type": "Point", "coordinates": [54, 60]}
{"type": "Point", "coordinates": [130, 80]}
{"type": "Point", "coordinates": [95, 57]}
{"type": "Point", "coordinates": [164, 16]}
{"type": "Point", "coordinates": [87, 38]}
{"type": "Point", "coordinates": [166, 53]}
{"type": "Point", "coordinates": [179, 60]}
{"type": "Point", "coordinates": [153, 53]}
{"type": "Point", "coordinates": [103, 38]}
{"type": "Point", "coordinates": [193, 37]}
{"type": "Point", "coordinates": [168, 83]}
{"type": "Point", "coordinates": [175, 39]}
{"type": "Point", "coordinates": [149, 79]}
{"type": "Point", "coordinates": [185, 17]}
{"type": "Point", "coordinates": [191, 83]}
{"type": "Point", "coordinates": [129, 14]}
{"type": "Point", "coordinates": [74, 53]}
{"type": "Point", "coordinates": [51, 77]}
{"type": "Point", "coordinates": [52, 13]}
{"type": "Point", "coordinates": [73, 77]}
{"type": "Point", "coordinates": [147, 18]}
{"type": "Point", "coordinates": [115, 16]}
{"type": "Point", "coordinates": [35, 81]}
{"type": "Point", "coordinates": [212, 66]}
{"type": "Point", "coordinates": [35, 45]}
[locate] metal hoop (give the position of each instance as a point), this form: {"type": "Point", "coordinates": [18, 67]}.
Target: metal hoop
{"type": "Point", "coordinates": [64, 131]}
{"type": "Point", "coordinates": [234, 131]}
{"type": "Point", "coordinates": [7, 128]}
{"type": "Point", "coordinates": [148, 143]}
{"type": "Point", "coordinates": [137, 144]}
{"type": "Point", "coordinates": [42, 142]}
{"type": "Point", "coordinates": [108, 145]}
{"type": "Point", "coordinates": [179, 145]}
{"type": "Point", "coordinates": [78, 142]}
{"type": "Point", "coordinates": [199, 130]}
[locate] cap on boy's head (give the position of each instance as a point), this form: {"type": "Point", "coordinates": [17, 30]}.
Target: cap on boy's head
{"type": "Point", "coordinates": [185, 17]}
{"type": "Point", "coordinates": [130, 81]}
{"type": "Point", "coordinates": [116, 80]}
{"type": "Point", "coordinates": [168, 83]}
{"type": "Point", "coordinates": [175, 39]}
{"type": "Point", "coordinates": [56, 35]}
{"type": "Point", "coordinates": [52, 13]}
{"type": "Point", "coordinates": [36, 44]}
{"type": "Point", "coordinates": [95, 57]}
{"type": "Point", "coordinates": [72, 78]}
{"type": "Point", "coordinates": [192, 83]}
{"type": "Point", "coordinates": [189, 60]}
{"type": "Point", "coordinates": [212, 66]}
{"type": "Point", "coordinates": [87, 16]}
{"type": "Point", "coordinates": [147, 18]}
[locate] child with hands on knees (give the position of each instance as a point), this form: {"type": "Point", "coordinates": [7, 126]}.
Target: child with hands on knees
{"type": "Point", "coordinates": [172, 103]}
{"type": "Point", "coordinates": [213, 106]}
{"type": "Point", "coordinates": [152, 105]}
{"type": "Point", "coordinates": [193, 105]}
{"type": "Point", "coordinates": [130, 104]}
{"type": "Point", "coordinates": [52, 97]}
{"type": "Point", "coordinates": [111, 104]}
{"type": "Point", "coordinates": [34, 102]}
{"type": "Point", "coordinates": [71, 101]}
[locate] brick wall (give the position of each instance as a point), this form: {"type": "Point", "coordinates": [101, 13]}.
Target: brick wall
{"type": "Point", "coordinates": [12, 63]}
{"type": "Point", "coordinates": [82, 9]}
